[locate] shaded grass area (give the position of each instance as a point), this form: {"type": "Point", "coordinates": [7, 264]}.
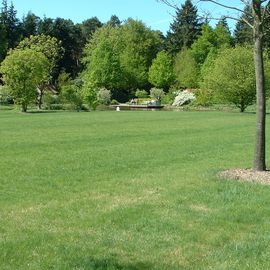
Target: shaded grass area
{"type": "Point", "coordinates": [129, 190]}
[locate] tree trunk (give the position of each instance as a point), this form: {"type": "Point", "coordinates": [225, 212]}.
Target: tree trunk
{"type": "Point", "coordinates": [259, 155]}
{"type": "Point", "coordinates": [24, 107]}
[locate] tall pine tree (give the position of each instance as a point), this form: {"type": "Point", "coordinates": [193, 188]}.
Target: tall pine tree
{"type": "Point", "coordinates": [243, 33]}
{"type": "Point", "coordinates": [184, 29]}
{"type": "Point", "coordinates": [11, 24]}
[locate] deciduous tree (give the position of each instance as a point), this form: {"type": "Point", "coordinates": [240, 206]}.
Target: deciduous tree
{"type": "Point", "coordinates": [161, 73]}
{"type": "Point", "coordinates": [186, 69]}
{"type": "Point", "coordinates": [232, 77]}
{"type": "Point", "coordinates": [52, 49]}
{"type": "Point", "coordinates": [23, 70]}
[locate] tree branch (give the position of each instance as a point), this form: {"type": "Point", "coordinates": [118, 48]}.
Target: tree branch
{"type": "Point", "coordinates": [228, 7]}
{"type": "Point", "coordinates": [169, 3]}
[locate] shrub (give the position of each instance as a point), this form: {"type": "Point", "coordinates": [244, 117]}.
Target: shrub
{"type": "Point", "coordinates": [204, 97]}
{"type": "Point", "coordinates": [5, 98]}
{"type": "Point", "coordinates": [49, 100]}
{"type": "Point", "coordinates": [141, 93]}
{"type": "Point", "coordinates": [114, 102]}
{"type": "Point", "coordinates": [104, 96]}
{"type": "Point", "coordinates": [183, 98]}
{"type": "Point", "coordinates": [157, 93]}
{"type": "Point", "coordinates": [56, 107]}
{"type": "Point", "coordinates": [71, 94]}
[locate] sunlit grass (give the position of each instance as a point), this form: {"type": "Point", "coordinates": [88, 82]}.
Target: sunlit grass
{"type": "Point", "coordinates": [129, 190]}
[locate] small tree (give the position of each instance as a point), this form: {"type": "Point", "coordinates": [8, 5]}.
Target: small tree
{"type": "Point", "coordinates": [71, 93]}
{"type": "Point", "coordinates": [23, 70]}
{"type": "Point", "coordinates": [233, 77]}
{"type": "Point", "coordinates": [161, 72]}
{"type": "Point", "coordinates": [52, 49]}
{"type": "Point", "coordinates": [90, 95]}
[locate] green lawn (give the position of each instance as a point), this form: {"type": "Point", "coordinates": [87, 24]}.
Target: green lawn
{"type": "Point", "coordinates": [130, 191]}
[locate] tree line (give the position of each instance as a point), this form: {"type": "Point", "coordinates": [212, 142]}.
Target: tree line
{"type": "Point", "coordinates": [94, 62]}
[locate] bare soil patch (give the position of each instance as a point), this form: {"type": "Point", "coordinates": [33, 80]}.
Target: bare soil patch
{"type": "Point", "coordinates": [247, 175]}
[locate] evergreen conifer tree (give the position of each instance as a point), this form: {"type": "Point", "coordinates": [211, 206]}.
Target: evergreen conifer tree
{"type": "Point", "coordinates": [184, 29]}
{"type": "Point", "coordinates": [243, 33]}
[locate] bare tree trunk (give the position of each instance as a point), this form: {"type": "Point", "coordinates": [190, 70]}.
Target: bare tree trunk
{"type": "Point", "coordinates": [259, 155]}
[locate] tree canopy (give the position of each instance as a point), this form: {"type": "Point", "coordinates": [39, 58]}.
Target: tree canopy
{"type": "Point", "coordinates": [161, 73]}
{"type": "Point", "coordinates": [23, 70]}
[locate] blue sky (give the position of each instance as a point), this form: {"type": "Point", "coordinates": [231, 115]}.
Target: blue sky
{"type": "Point", "coordinates": [154, 14]}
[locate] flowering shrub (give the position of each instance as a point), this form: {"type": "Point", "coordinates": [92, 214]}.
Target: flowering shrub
{"type": "Point", "coordinates": [183, 98]}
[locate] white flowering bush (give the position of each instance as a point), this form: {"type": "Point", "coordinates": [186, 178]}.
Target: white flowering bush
{"type": "Point", "coordinates": [183, 98]}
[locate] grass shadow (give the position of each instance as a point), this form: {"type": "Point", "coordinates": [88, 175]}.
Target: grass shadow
{"type": "Point", "coordinates": [108, 264]}
{"type": "Point", "coordinates": [43, 111]}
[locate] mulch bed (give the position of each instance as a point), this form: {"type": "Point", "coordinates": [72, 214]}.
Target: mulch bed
{"type": "Point", "coordinates": [248, 175]}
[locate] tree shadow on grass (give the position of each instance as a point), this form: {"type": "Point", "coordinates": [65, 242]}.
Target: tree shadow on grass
{"type": "Point", "coordinates": [108, 264]}
{"type": "Point", "coordinates": [267, 113]}
{"type": "Point", "coordinates": [41, 112]}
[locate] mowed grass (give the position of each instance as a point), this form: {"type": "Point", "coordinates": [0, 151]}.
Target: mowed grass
{"type": "Point", "coordinates": [130, 190]}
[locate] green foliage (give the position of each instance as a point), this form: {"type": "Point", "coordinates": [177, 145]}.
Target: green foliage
{"type": "Point", "coordinates": [52, 101]}
{"type": "Point", "coordinates": [3, 43]}
{"type": "Point", "coordinates": [10, 24]}
{"type": "Point", "coordinates": [47, 45]}
{"type": "Point", "coordinates": [210, 39]}
{"type": "Point", "coordinates": [185, 28]}
{"type": "Point", "coordinates": [89, 27]}
{"type": "Point", "coordinates": [114, 21]}
{"type": "Point", "coordinates": [243, 33]}
{"type": "Point", "coordinates": [5, 97]}
{"type": "Point", "coordinates": [161, 73]}
{"type": "Point", "coordinates": [89, 92]}
{"type": "Point", "coordinates": [167, 99]}
{"type": "Point", "coordinates": [103, 68]}
{"type": "Point", "coordinates": [23, 71]}
{"type": "Point", "coordinates": [30, 24]}
{"type": "Point", "coordinates": [104, 96]}
{"type": "Point", "coordinates": [71, 40]}
{"type": "Point", "coordinates": [141, 93]}
{"type": "Point", "coordinates": [71, 94]}
{"type": "Point", "coordinates": [119, 58]}
{"type": "Point", "coordinates": [63, 79]}
{"type": "Point", "coordinates": [186, 70]}
{"type": "Point", "coordinates": [208, 65]}
{"type": "Point", "coordinates": [114, 102]}
{"type": "Point", "coordinates": [203, 45]}
{"type": "Point", "coordinates": [233, 77]}
{"type": "Point", "coordinates": [157, 93]}
{"type": "Point", "coordinates": [223, 35]}
{"type": "Point", "coordinates": [138, 47]}
{"type": "Point", "coordinates": [204, 97]}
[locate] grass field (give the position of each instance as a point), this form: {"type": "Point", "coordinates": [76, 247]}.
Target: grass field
{"type": "Point", "coordinates": [130, 190]}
